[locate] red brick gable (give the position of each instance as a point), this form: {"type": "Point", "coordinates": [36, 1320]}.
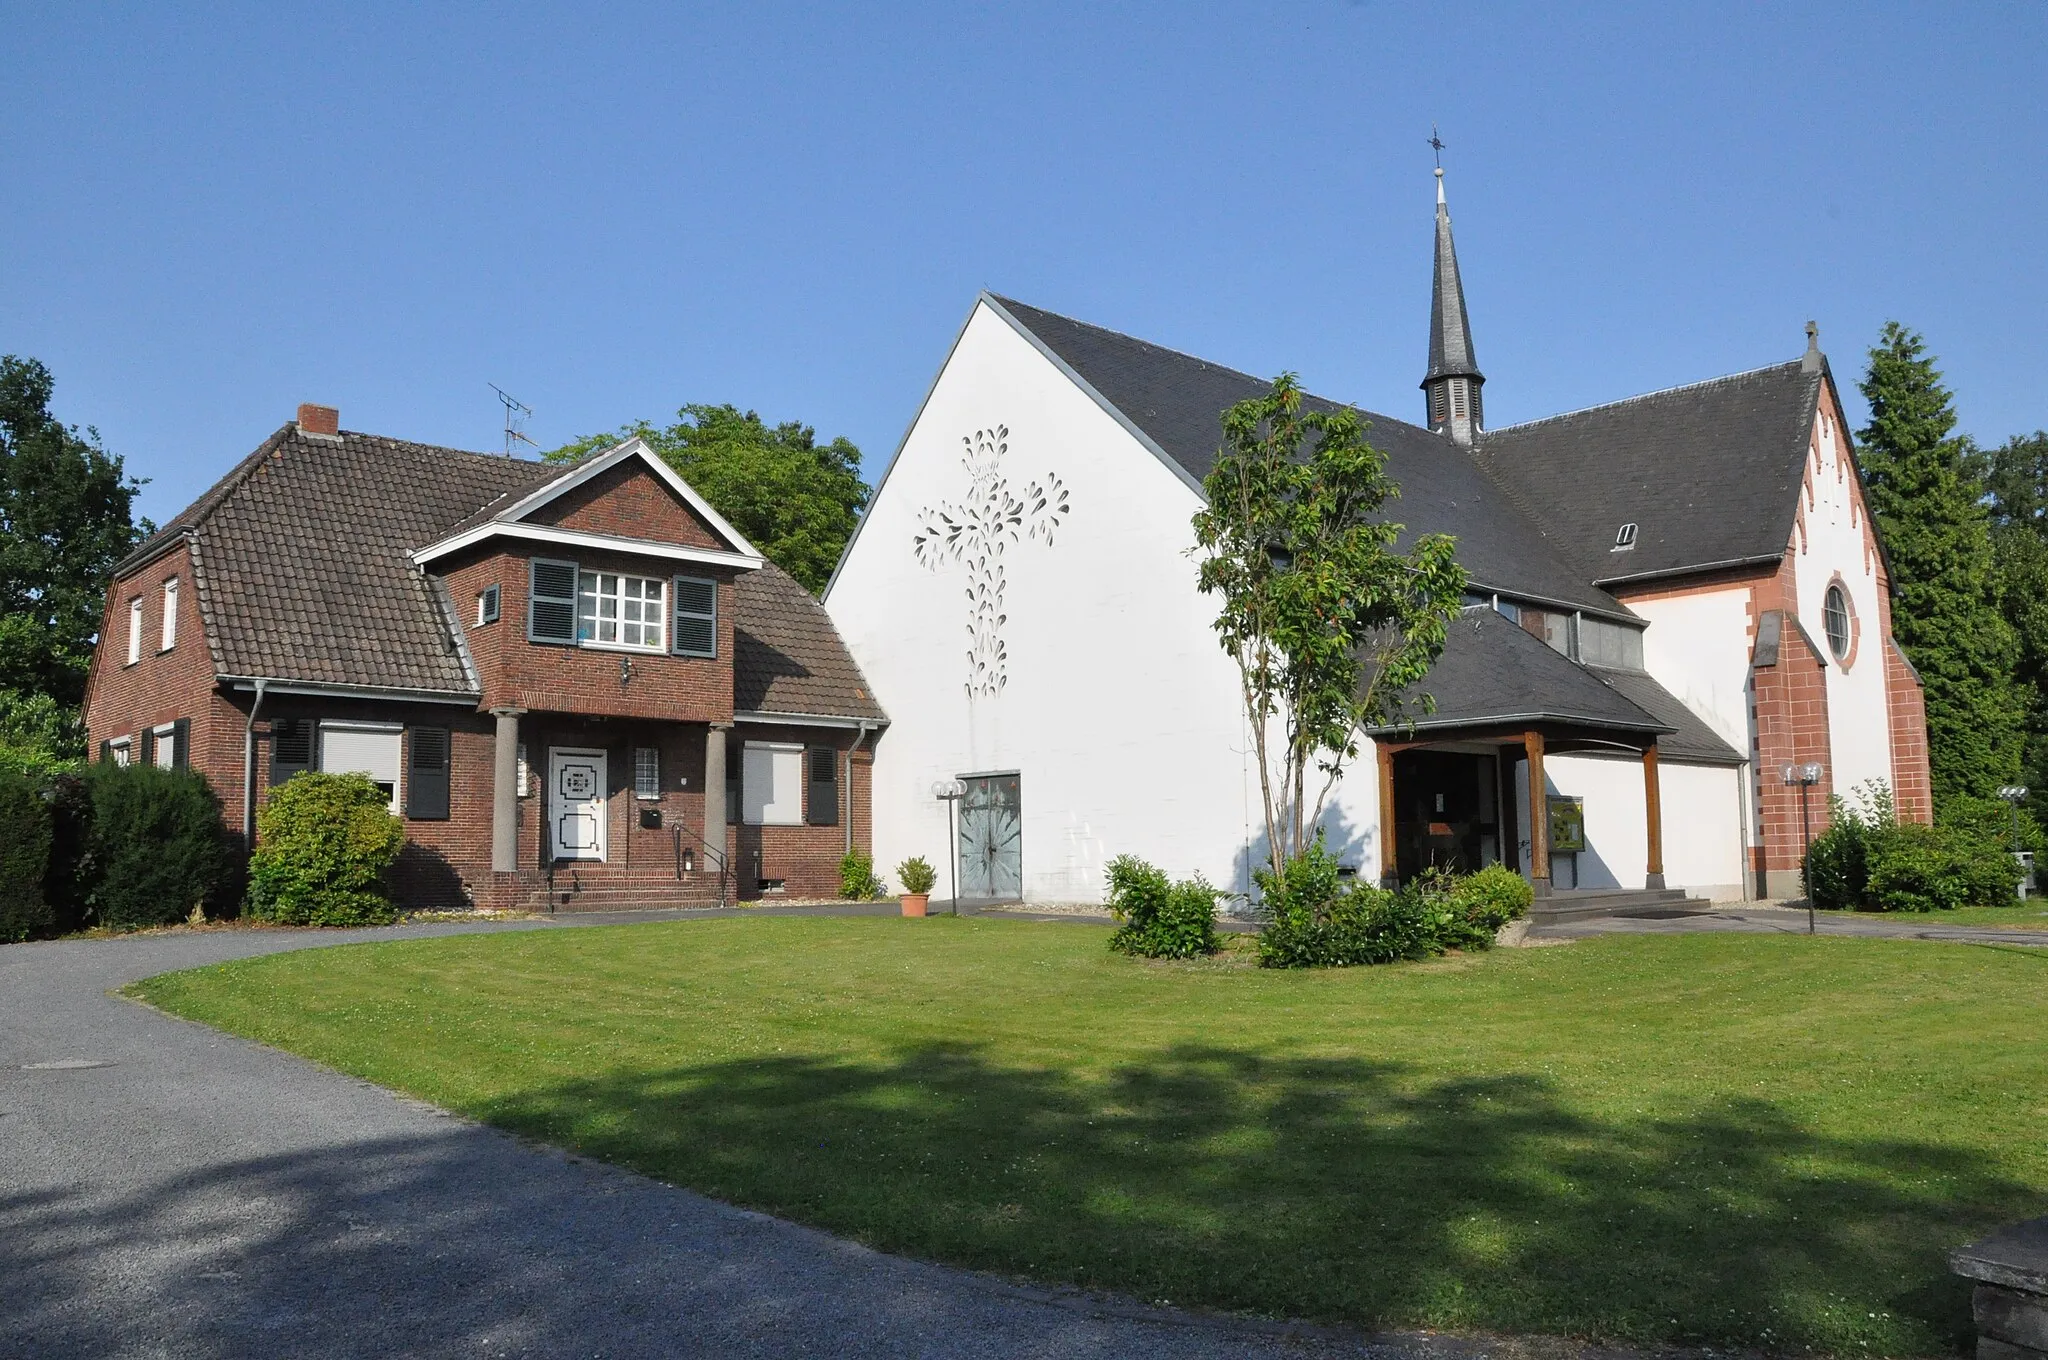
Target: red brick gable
{"type": "Point", "coordinates": [629, 501]}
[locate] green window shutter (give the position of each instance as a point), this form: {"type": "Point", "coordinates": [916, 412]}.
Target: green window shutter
{"type": "Point", "coordinates": [821, 808]}
{"type": "Point", "coordinates": [551, 601]}
{"type": "Point", "coordinates": [734, 755]}
{"type": "Point", "coordinates": [426, 775]}
{"type": "Point", "coordinates": [291, 748]}
{"type": "Point", "coordinates": [181, 744]}
{"type": "Point", "coordinates": [696, 622]}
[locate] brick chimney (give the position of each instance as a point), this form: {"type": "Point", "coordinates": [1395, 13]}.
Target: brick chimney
{"type": "Point", "coordinates": [319, 419]}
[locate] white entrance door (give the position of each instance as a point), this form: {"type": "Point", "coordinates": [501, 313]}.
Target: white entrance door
{"type": "Point", "coordinates": [576, 802]}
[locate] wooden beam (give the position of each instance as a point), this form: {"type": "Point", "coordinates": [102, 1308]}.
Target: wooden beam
{"type": "Point", "coordinates": [1539, 814]}
{"type": "Point", "coordinates": [1390, 872]}
{"type": "Point", "coordinates": [1653, 804]}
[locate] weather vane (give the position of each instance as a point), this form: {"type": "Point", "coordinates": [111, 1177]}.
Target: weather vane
{"type": "Point", "coordinates": [1436, 144]}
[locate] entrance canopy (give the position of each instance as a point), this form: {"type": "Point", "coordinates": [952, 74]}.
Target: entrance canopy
{"type": "Point", "coordinates": [1497, 686]}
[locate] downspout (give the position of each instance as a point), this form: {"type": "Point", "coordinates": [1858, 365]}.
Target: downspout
{"type": "Point", "coordinates": [859, 736]}
{"type": "Point", "coordinates": [249, 769]}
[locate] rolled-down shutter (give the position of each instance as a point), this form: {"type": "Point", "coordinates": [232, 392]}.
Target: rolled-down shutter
{"type": "Point", "coordinates": [291, 748]}
{"type": "Point", "coordinates": [551, 601]}
{"type": "Point", "coordinates": [181, 743]}
{"type": "Point", "coordinates": [822, 806]}
{"type": "Point", "coordinates": [426, 784]}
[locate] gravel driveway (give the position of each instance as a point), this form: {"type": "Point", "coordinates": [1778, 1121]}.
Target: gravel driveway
{"type": "Point", "coordinates": [166, 1190]}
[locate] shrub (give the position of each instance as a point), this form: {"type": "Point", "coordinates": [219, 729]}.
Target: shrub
{"type": "Point", "coordinates": [1931, 868]}
{"type": "Point", "coordinates": [24, 856]}
{"type": "Point", "coordinates": [323, 842]}
{"type": "Point", "coordinates": [857, 881]}
{"type": "Point", "coordinates": [1480, 904]}
{"type": "Point", "coordinates": [916, 876]}
{"type": "Point", "coordinates": [1992, 819]}
{"type": "Point", "coordinates": [1837, 869]}
{"type": "Point", "coordinates": [157, 845]}
{"type": "Point", "coordinates": [1161, 919]}
{"type": "Point", "coordinates": [1320, 921]}
{"type": "Point", "coordinates": [74, 861]}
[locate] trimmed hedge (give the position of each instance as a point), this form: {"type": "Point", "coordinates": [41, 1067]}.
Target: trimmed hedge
{"type": "Point", "coordinates": [157, 849]}
{"type": "Point", "coordinates": [323, 842]}
{"type": "Point", "coordinates": [1160, 919]}
{"type": "Point", "coordinates": [24, 859]}
{"type": "Point", "coordinates": [1321, 921]}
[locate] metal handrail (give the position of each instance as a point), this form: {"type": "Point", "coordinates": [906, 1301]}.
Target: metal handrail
{"type": "Point", "coordinates": [717, 857]}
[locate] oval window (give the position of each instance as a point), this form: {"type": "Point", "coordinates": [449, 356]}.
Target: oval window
{"type": "Point", "coordinates": [1835, 613]}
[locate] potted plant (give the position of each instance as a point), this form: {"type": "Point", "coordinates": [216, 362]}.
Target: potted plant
{"type": "Point", "coordinates": [917, 878]}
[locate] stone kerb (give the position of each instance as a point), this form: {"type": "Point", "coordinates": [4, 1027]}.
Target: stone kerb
{"type": "Point", "coordinates": [2010, 1270]}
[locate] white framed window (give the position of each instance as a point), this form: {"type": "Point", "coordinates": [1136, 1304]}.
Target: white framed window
{"type": "Point", "coordinates": [696, 631]}
{"type": "Point", "coordinates": [169, 637]}
{"type": "Point", "coordinates": [135, 630]}
{"type": "Point", "coordinates": [164, 746]}
{"type": "Point", "coordinates": [646, 772]}
{"type": "Point", "coordinates": [613, 610]}
{"type": "Point", "coordinates": [486, 606]}
{"type": "Point", "coordinates": [523, 788]}
{"type": "Point", "coordinates": [373, 749]}
{"type": "Point", "coordinates": [121, 750]}
{"type": "Point", "coordinates": [772, 784]}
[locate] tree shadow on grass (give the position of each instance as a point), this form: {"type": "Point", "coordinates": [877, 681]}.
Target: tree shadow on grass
{"type": "Point", "coordinates": [1337, 1189]}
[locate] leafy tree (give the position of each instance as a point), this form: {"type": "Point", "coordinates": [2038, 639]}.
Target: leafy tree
{"type": "Point", "coordinates": [66, 510]}
{"type": "Point", "coordinates": [795, 499]}
{"type": "Point", "coordinates": [1330, 626]}
{"type": "Point", "coordinates": [1926, 491]}
{"type": "Point", "coordinates": [2016, 482]}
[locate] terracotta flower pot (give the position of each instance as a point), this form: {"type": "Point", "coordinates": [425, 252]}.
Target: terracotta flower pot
{"type": "Point", "coordinates": [913, 903]}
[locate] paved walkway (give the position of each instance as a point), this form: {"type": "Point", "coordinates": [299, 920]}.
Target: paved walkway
{"type": "Point", "coordinates": [166, 1190]}
{"type": "Point", "coordinates": [1761, 918]}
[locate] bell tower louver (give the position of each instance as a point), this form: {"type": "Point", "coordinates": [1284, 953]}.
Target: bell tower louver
{"type": "Point", "coordinates": [1451, 387]}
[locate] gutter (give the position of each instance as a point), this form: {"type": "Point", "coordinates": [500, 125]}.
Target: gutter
{"type": "Point", "coordinates": [314, 687]}
{"type": "Point", "coordinates": [1728, 564]}
{"type": "Point", "coordinates": [249, 769]}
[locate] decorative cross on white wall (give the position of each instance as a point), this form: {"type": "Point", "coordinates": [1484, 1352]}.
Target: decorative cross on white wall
{"type": "Point", "coordinates": [975, 532]}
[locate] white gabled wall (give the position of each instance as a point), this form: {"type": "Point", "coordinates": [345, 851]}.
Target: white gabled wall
{"type": "Point", "coordinates": [1121, 713]}
{"type": "Point", "coordinates": [1697, 646]}
{"type": "Point", "coordinates": [1703, 815]}
{"type": "Point", "coordinates": [1833, 541]}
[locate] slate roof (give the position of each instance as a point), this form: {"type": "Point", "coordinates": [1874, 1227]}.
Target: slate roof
{"type": "Point", "coordinates": [787, 656]}
{"type": "Point", "coordinates": [1689, 738]}
{"type": "Point", "coordinates": [300, 559]}
{"type": "Point", "coordinates": [1709, 474]}
{"type": "Point", "coordinates": [1492, 673]}
{"type": "Point", "coordinates": [1177, 401]}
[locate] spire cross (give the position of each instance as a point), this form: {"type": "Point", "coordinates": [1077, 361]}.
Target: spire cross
{"type": "Point", "coordinates": [1436, 144]}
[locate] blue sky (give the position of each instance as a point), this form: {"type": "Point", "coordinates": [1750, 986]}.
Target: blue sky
{"type": "Point", "coordinates": [212, 215]}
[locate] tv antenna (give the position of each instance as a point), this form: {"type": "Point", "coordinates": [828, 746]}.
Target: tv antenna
{"type": "Point", "coordinates": [516, 414]}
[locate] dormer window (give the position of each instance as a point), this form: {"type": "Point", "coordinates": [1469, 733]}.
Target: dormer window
{"type": "Point", "coordinates": [1624, 538]}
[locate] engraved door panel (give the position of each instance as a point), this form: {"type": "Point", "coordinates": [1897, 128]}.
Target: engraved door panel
{"type": "Point", "coordinates": [991, 839]}
{"type": "Point", "coordinates": [576, 803]}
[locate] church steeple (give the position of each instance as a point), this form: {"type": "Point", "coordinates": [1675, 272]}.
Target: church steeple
{"type": "Point", "coordinates": [1451, 388]}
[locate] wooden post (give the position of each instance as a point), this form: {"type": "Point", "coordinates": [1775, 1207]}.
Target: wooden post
{"type": "Point", "coordinates": [1539, 816]}
{"type": "Point", "coordinates": [1390, 873]}
{"type": "Point", "coordinates": [1653, 805]}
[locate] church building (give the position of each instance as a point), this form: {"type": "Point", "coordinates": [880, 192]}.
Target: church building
{"type": "Point", "coordinates": [1677, 644]}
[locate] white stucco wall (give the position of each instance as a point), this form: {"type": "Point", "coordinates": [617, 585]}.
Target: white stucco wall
{"type": "Point", "coordinates": [1833, 540]}
{"type": "Point", "coordinates": [1697, 646]}
{"type": "Point", "coordinates": [1702, 823]}
{"type": "Point", "coordinates": [1120, 712]}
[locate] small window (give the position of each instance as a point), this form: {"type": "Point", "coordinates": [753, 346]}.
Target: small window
{"type": "Point", "coordinates": [170, 629]}
{"type": "Point", "coordinates": [696, 617]}
{"type": "Point", "coordinates": [1624, 538]}
{"type": "Point", "coordinates": [163, 747]}
{"type": "Point", "coordinates": [120, 750]}
{"type": "Point", "coordinates": [520, 784]}
{"type": "Point", "coordinates": [646, 772]}
{"type": "Point", "coordinates": [620, 611]}
{"type": "Point", "coordinates": [551, 601]}
{"type": "Point", "coordinates": [1835, 614]}
{"type": "Point", "coordinates": [487, 606]}
{"type": "Point", "coordinates": [135, 630]}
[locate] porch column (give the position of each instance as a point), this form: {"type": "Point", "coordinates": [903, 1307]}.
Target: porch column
{"type": "Point", "coordinates": [714, 794]}
{"type": "Point", "coordinates": [1539, 816]}
{"type": "Point", "coordinates": [1653, 804]}
{"type": "Point", "coordinates": [505, 792]}
{"type": "Point", "coordinates": [1390, 871]}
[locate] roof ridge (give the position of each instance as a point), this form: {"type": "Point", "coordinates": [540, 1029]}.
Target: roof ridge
{"type": "Point", "coordinates": [443, 448]}
{"type": "Point", "coordinates": [1641, 396]}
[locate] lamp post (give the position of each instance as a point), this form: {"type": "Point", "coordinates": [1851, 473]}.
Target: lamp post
{"type": "Point", "coordinates": [2016, 794]}
{"type": "Point", "coordinates": [950, 792]}
{"type": "Point", "coordinates": [1805, 776]}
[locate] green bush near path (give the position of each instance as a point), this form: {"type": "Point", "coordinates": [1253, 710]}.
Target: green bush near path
{"type": "Point", "coordinates": [1711, 1139]}
{"type": "Point", "coordinates": [24, 859]}
{"type": "Point", "coordinates": [323, 842]}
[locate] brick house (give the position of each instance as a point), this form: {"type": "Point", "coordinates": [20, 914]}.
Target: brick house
{"type": "Point", "coordinates": [574, 681]}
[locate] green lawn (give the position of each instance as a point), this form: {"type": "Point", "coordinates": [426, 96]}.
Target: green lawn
{"type": "Point", "coordinates": [1742, 1139]}
{"type": "Point", "coordinates": [2029, 915]}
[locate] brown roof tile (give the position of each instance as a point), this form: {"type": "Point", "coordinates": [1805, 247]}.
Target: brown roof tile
{"type": "Point", "coordinates": [787, 657]}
